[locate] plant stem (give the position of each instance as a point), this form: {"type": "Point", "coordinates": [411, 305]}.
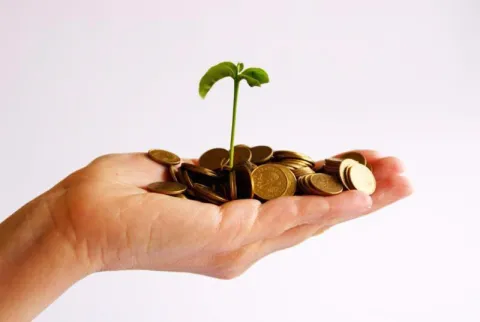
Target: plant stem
{"type": "Point", "coordinates": [236, 84]}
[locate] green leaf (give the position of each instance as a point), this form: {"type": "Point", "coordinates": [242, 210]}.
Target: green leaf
{"type": "Point", "coordinates": [214, 74]}
{"type": "Point", "coordinates": [256, 73]}
{"type": "Point", "coordinates": [240, 67]}
{"type": "Point", "coordinates": [250, 80]}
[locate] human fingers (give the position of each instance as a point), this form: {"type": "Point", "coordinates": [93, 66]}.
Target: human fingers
{"type": "Point", "coordinates": [386, 167]}
{"type": "Point", "coordinates": [391, 187]}
{"type": "Point", "coordinates": [232, 264]}
{"type": "Point", "coordinates": [389, 191]}
{"type": "Point", "coordinates": [245, 222]}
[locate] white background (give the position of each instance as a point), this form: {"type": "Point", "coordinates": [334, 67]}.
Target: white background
{"type": "Point", "coordinates": [83, 78]}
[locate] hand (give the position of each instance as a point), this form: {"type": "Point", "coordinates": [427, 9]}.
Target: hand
{"type": "Point", "coordinates": [102, 218]}
{"type": "Point", "coordinates": [113, 223]}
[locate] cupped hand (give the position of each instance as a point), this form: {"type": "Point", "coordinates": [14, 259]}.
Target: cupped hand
{"type": "Point", "coordinates": [113, 223]}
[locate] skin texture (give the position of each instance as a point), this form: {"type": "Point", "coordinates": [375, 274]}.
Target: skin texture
{"type": "Point", "coordinates": [101, 218]}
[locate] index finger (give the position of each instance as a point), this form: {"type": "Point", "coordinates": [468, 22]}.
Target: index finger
{"type": "Point", "coordinates": [247, 221]}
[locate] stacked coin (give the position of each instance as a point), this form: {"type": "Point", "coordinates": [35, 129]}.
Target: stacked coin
{"type": "Point", "coordinates": [261, 173]}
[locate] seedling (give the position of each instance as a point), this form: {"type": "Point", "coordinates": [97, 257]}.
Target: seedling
{"type": "Point", "coordinates": [254, 77]}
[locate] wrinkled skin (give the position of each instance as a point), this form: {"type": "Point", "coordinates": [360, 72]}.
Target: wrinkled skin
{"type": "Point", "coordinates": [113, 223]}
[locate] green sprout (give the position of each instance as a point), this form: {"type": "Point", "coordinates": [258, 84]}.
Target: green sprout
{"type": "Point", "coordinates": [254, 77]}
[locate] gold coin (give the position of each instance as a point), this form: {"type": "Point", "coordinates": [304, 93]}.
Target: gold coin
{"type": "Point", "coordinates": [362, 179]}
{"type": "Point", "coordinates": [212, 158]}
{"type": "Point", "coordinates": [241, 154]}
{"type": "Point", "coordinates": [293, 164]}
{"type": "Point", "coordinates": [330, 170]}
{"type": "Point", "coordinates": [279, 155]}
{"type": "Point", "coordinates": [199, 170]}
{"type": "Point", "coordinates": [221, 189]}
{"type": "Point", "coordinates": [320, 168]}
{"type": "Point", "coordinates": [357, 156]}
{"type": "Point", "coordinates": [225, 165]}
{"type": "Point", "coordinates": [292, 182]}
{"type": "Point", "coordinates": [269, 181]}
{"type": "Point", "coordinates": [232, 180]}
{"type": "Point", "coordinates": [334, 162]}
{"type": "Point", "coordinates": [289, 167]}
{"type": "Point", "coordinates": [302, 171]}
{"type": "Point", "coordinates": [164, 157]}
{"type": "Point", "coordinates": [250, 165]}
{"type": "Point", "coordinates": [299, 185]}
{"type": "Point", "coordinates": [347, 178]}
{"type": "Point", "coordinates": [261, 172]}
{"type": "Point", "coordinates": [332, 166]}
{"type": "Point", "coordinates": [186, 178]}
{"type": "Point", "coordinates": [191, 193]}
{"type": "Point", "coordinates": [167, 188]}
{"type": "Point", "coordinates": [173, 174]}
{"type": "Point", "coordinates": [324, 184]}
{"type": "Point", "coordinates": [308, 185]}
{"type": "Point", "coordinates": [343, 166]}
{"type": "Point", "coordinates": [261, 154]}
{"type": "Point", "coordinates": [305, 185]}
{"type": "Point", "coordinates": [207, 194]}
{"type": "Point", "coordinates": [244, 181]}
{"type": "Point", "coordinates": [180, 178]}
{"type": "Point", "coordinates": [302, 163]}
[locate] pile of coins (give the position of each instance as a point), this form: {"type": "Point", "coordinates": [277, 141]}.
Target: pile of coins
{"type": "Point", "coordinates": [261, 173]}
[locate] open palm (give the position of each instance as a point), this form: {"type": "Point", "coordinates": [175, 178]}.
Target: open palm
{"type": "Point", "coordinates": [114, 222]}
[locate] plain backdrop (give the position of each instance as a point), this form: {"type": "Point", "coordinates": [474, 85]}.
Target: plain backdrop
{"type": "Point", "coordinates": [79, 79]}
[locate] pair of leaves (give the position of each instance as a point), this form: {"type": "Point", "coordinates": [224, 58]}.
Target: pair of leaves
{"type": "Point", "coordinates": [254, 76]}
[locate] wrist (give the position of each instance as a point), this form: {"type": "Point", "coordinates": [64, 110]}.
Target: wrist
{"type": "Point", "coordinates": [37, 262]}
